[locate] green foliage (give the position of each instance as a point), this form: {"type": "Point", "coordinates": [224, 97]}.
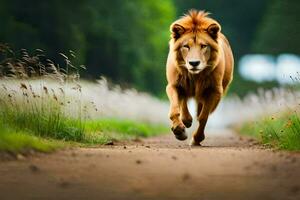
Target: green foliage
{"type": "Point", "coordinates": [280, 29]}
{"type": "Point", "coordinates": [124, 40]}
{"type": "Point", "coordinates": [281, 132]}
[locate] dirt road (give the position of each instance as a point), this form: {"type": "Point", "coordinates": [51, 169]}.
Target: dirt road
{"type": "Point", "coordinates": [226, 167]}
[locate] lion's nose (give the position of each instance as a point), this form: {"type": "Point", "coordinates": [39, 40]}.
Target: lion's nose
{"type": "Point", "coordinates": [194, 63]}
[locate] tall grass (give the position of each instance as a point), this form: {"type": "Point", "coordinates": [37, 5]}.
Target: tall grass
{"type": "Point", "coordinates": [272, 116]}
{"type": "Point", "coordinates": [38, 108]}
{"type": "Point", "coordinates": [254, 106]}
{"type": "Point", "coordinates": [41, 113]}
{"type": "Point", "coordinates": [43, 99]}
{"type": "Point", "coordinates": [281, 132]}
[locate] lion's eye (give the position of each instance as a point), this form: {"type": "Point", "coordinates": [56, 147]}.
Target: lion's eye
{"type": "Point", "coordinates": [186, 46]}
{"type": "Point", "coordinates": [203, 46]}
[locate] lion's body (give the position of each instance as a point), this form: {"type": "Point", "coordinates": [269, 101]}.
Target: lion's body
{"type": "Point", "coordinates": [206, 86]}
{"type": "Point", "coordinates": [192, 84]}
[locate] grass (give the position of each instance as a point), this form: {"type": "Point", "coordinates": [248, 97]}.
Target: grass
{"type": "Point", "coordinates": [34, 115]}
{"type": "Point", "coordinates": [97, 132]}
{"type": "Point", "coordinates": [104, 130]}
{"type": "Point", "coordinates": [39, 120]}
{"type": "Point", "coordinates": [22, 141]}
{"type": "Point", "coordinates": [282, 132]}
{"type": "Point", "coordinates": [45, 119]}
{"type": "Point", "coordinates": [42, 113]}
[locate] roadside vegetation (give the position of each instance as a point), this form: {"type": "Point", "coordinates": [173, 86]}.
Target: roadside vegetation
{"type": "Point", "coordinates": [14, 141]}
{"type": "Point", "coordinates": [281, 132]}
{"type": "Point", "coordinates": [42, 107]}
{"type": "Point", "coordinates": [279, 125]}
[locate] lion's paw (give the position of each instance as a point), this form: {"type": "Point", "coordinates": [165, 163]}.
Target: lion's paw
{"type": "Point", "coordinates": [187, 122]}
{"type": "Point", "coordinates": [179, 132]}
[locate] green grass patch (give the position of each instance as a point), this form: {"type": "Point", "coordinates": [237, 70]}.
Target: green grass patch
{"type": "Point", "coordinates": [97, 132]}
{"type": "Point", "coordinates": [21, 141]}
{"type": "Point", "coordinates": [104, 130]}
{"type": "Point", "coordinates": [282, 132]}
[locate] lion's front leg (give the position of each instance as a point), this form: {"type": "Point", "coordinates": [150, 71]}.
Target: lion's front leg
{"type": "Point", "coordinates": [205, 107]}
{"type": "Point", "coordinates": [185, 115]}
{"type": "Point", "coordinates": [178, 127]}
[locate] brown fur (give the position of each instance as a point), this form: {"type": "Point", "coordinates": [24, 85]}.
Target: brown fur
{"type": "Point", "coordinates": [196, 31]}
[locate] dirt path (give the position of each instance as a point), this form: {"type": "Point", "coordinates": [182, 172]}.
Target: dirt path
{"type": "Point", "coordinates": [226, 167]}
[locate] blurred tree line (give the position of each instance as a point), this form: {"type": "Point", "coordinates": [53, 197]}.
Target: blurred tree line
{"type": "Point", "coordinates": [127, 41]}
{"type": "Point", "coordinates": [280, 29]}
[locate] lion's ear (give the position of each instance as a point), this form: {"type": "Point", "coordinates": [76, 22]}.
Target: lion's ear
{"type": "Point", "coordinates": [213, 30]}
{"type": "Point", "coordinates": [177, 30]}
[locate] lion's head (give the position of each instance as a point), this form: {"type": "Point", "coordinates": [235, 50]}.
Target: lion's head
{"type": "Point", "coordinates": [195, 41]}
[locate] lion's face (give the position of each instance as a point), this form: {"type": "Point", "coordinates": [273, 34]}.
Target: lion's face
{"type": "Point", "coordinates": [195, 41]}
{"type": "Point", "coordinates": [195, 54]}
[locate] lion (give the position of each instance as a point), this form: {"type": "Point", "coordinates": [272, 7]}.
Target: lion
{"type": "Point", "coordinates": [200, 66]}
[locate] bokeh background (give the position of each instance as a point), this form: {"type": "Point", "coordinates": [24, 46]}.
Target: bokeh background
{"type": "Point", "coordinates": [127, 41]}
